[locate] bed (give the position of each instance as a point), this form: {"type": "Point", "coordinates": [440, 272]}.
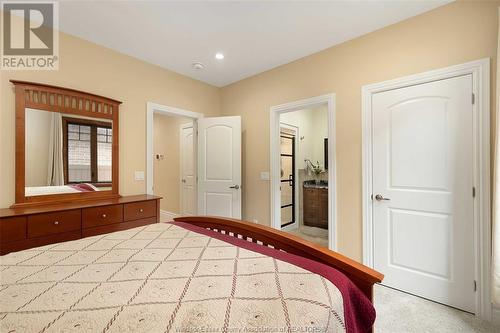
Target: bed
{"type": "Point", "coordinates": [197, 274]}
{"type": "Point", "coordinates": [71, 188]}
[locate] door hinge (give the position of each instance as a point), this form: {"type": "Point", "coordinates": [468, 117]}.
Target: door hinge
{"type": "Point", "coordinates": [473, 192]}
{"type": "Point", "coordinates": [473, 98]}
{"type": "Point", "coordinates": [475, 285]}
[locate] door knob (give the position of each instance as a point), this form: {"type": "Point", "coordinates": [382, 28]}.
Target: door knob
{"type": "Point", "coordinates": [379, 197]}
{"type": "Point", "coordinates": [236, 187]}
{"type": "Point", "coordinates": [183, 180]}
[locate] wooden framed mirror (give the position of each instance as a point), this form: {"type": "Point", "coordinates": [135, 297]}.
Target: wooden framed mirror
{"type": "Point", "coordinates": [66, 145]}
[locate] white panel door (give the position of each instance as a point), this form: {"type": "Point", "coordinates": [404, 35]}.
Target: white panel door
{"type": "Point", "coordinates": [219, 166]}
{"type": "Point", "coordinates": [422, 190]}
{"type": "Point", "coordinates": [188, 173]}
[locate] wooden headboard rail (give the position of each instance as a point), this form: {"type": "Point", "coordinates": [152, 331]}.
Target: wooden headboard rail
{"type": "Point", "coordinates": [363, 277]}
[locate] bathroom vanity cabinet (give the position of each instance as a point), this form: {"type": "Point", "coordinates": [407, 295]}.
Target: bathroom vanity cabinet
{"type": "Point", "coordinates": [315, 205]}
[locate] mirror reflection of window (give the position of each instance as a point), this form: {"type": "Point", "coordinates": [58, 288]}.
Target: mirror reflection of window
{"type": "Point", "coordinates": [79, 154]}
{"type": "Point", "coordinates": [89, 151]}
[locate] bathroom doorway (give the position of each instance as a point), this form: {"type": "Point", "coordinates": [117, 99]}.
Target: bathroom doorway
{"type": "Point", "coordinates": [303, 195]}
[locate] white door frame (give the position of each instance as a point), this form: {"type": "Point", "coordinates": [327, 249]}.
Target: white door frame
{"type": "Point", "coordinates": [295, 225]}
{"type": "Point", "coordinates": [181, 165]}
{"type": "Point", "coordinates": [153, 108]}
{"type": "Point", "coordinates": [274, 159]}
{"type": "Point", "coordinates": [480, 71]}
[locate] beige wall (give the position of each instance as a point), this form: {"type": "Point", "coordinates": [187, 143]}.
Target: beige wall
{"type": "Point", "coordinates": [449, 35]}
{"type": "Point", "coordinates": [38, 126]}
{"type": "Point", "coordinates": [92, 68]}
{"type": "Point", "coordinates": [166, 141]}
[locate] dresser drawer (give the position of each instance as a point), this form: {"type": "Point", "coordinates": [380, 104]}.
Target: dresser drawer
{"type": "Point", "coordinates": [97, 216]}
{"type": "Point", "coordinates": [139, 210]}
{"type": "Point", "coordinates": [12, 229]}
{"type": "Point", "coordinates": [103, 229]}
{"type": "Point", "coordinates": [54, 223]}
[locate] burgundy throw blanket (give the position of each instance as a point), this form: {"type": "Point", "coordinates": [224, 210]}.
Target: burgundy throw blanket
{"type": "Point", "coordinates": [359, 313]}
{"type": "Point", "coordinates": [83, 187]}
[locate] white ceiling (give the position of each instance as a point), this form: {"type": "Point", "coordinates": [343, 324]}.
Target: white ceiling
{"type": "Point", "coordinates": [254, 36]}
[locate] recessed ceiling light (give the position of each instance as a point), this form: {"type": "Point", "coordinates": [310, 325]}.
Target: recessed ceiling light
{"type": "Point", "coordinates": [197, 66]}
{"type": "Point", "coordinates": [219, 56]}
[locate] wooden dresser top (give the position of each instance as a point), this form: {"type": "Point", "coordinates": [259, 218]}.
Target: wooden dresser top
{"type": "Point", "coordinates": [20, 211]}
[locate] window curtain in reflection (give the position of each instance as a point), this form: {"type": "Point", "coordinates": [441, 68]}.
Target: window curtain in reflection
{"type": "Point", "coordinates": [55, 175]}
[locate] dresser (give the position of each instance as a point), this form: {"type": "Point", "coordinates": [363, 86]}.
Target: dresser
{"type": "Point", "coordinates": [24, 228]}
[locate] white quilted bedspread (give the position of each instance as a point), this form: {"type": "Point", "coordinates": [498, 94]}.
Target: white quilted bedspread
{"type": "Point", "coordinates": [161, 278]}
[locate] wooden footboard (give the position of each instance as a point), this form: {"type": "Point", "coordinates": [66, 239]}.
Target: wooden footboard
{"type": "Point", "coordinates": [362, 276]}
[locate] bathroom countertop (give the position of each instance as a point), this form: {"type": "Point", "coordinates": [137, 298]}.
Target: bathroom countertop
{"type": "Point", "coordinates": [315, 184]}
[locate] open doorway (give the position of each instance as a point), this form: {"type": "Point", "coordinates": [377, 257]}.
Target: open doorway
{"type": "Point", "coordinates": [171, 146]}
{"type": "Point", "coordinates": [303, 200]}
{"type": "Point", "coordinates": [208, 162]}
{"type": "Point", "coordinates": [173, 167]}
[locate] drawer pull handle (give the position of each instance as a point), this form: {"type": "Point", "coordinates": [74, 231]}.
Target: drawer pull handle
{"type": "Point", "coordinates": [141, 210]}
{"type": "Point", "coordinates": [104, 216]}
{"type": "Point", "coordinates": [56, 222]}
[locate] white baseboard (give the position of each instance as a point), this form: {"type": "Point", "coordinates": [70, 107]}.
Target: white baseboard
{"type": "Point", "coordinates": [169, 216]}
{"type": "Point", "coordinates": [495, 316]}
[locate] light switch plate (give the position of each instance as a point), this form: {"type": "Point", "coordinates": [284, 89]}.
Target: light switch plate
{"type": "Point", "coordinates": [139, 175]}
{"type": "Point", "coordinates": [264, 175]}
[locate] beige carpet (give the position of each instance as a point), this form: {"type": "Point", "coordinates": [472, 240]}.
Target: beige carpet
{"type": "Point", "coordinates": [398, 312]}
